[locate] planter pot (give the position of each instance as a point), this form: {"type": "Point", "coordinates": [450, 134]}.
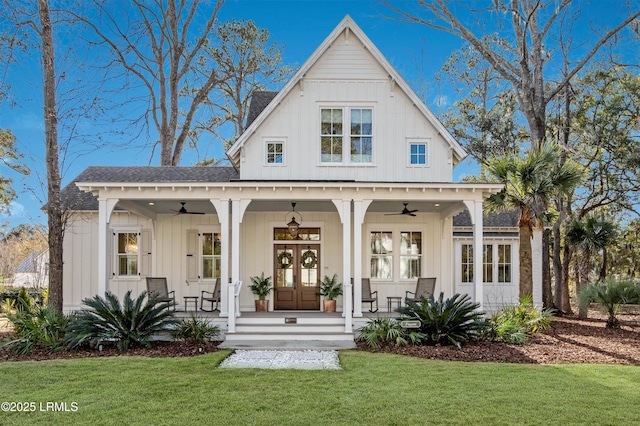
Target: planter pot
{"type": "Point", "coordinates": [262, 305]}
{"type": "Point", "coordinates": [329, 305]}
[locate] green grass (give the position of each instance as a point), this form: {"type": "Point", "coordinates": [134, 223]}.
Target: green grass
{"type": "Point", "coordinates": [370, 389]}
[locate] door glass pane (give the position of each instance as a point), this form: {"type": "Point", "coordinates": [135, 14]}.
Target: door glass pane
{"type": "Point", "coordinates": [284, 267]}
{"type": "Point", "coordinates": [309, 268]}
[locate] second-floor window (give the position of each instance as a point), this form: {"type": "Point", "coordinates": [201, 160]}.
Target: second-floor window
{"type": "Point", "coordinates": [275, 152]}
{"type": "Point", "coordinates": [355, 138]}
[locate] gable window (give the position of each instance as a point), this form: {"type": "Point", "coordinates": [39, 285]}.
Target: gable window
{"type": "Point", "coordinates": [361, 135]}
{"type": "Point", "coordinates": [275, 152]}
{"type": "Point", "coordinates": [127, 254]}
{"type": "Point", "coordinates": [210, 262]}
{"type": "Point", "coordinates": [354, 138]}
{"type": "Point", "coordinates": [331, 135]}
{"type": "Point", "coordinates": [418, 153]}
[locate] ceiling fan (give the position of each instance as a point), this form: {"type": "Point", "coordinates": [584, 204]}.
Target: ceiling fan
{"type": "Point", "coordinates": [405, 210]}
{"type": "Point", "coordinates": [183, 210]}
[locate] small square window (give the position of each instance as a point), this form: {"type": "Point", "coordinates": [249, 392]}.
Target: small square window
{"type": "Point", "coordinates": [275, 153]}
{"type": "Point", "coordinates": [418, 153]}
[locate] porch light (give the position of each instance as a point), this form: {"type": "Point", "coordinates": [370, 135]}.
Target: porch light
{"type": "Point", "coordinates": [293, 225]}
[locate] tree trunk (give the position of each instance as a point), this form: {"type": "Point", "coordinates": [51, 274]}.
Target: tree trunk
{"type": "Point", "coordinates": [583, 273]}
{"type": "Point", "coordinates": [605, 264]}
{"type": "Point", "coordinates": [54, 205]}
{"type": "Point", "coordinates": [547, 294]}
{"type": "Point", "coordinates": [566, 296]}
{"type": "Point", "coordinates": [526, 271]}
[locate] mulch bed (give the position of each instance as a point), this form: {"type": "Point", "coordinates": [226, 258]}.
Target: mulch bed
{"type": "Point", "coordinates": [570, 340]}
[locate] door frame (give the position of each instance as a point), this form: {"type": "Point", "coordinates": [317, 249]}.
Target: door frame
{"type": "Point", "coordinates": [298, 297]}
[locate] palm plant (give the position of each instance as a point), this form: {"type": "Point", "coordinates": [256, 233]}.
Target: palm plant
{"type": "Point", "coordinates": [590, 235]}
{"type": "Point", "coordinates": [516, 323]}
{"type": "Point", "coordinates": [330, 288]}
{"type": "Point", "coordinates": [454, 321]}
{"type": "Point", "coordinates": [195, 329]}
{"type": "Point", "coordinates": [261, 286]}
{"type": "Point", "coordinates": [530, 183]}
{"type": "Point", "coordinates": [383, 330]}
{"type": "Point", "coordinates": [610, 295]}
{"type": "Point", "coordinates": [36, 326]}
{"type": "Point", "coordinates": [133, 322]}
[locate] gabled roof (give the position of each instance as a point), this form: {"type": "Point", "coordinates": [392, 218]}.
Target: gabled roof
{"type": "Point", "coordinates": [29, 264]}
{"type": "Point", "coordinates": [347, 23]}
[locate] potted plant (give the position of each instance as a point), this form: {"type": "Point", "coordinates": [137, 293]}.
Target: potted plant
{"type": "Point", "coordinates": [261, 287]}
{"type": "Point", "coordinates": [330, 289]}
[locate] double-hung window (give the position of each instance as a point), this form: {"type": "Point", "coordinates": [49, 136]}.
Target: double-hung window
{"type": "Point", "coordinates": [396, 250]}
{"type": "Point", "coordinates": [356, 137]}
{"type": "Point", "coordinates": [127, 254]}
{"type": "Point", "coordinates": [410, 254]}
{"type": "Point", "coordinates": [210, 255]}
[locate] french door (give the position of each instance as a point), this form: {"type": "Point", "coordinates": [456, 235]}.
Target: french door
{"type": "Point", "coordinates": [297, 276]}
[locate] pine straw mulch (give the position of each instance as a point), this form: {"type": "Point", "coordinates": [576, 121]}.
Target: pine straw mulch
{"type": "Point", "coordinates": [570, 340]}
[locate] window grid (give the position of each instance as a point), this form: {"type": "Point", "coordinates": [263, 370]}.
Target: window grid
{"type": "Point", "coordinates": [127, 254]}
{"type": "Point", "coordinates": [275, 153]}
{"type": "Point", "coordinates": [361, 135]}
{"type": "Point", "coordinates": [418, 154]}
{"type": "Point", "coordinates": [504, 263]}
{"type": "Point", "coordinates": [382, 255]}
{"type": "Point", "coordinates": [211, 259]}
{"type": "Point", "coordinates": [331, 135]}
{"type": "Point", "coordinates": [410, 255]}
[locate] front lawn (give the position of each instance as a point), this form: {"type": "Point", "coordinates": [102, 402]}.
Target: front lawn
{"type": "Point", "coordinates": [370, 389]}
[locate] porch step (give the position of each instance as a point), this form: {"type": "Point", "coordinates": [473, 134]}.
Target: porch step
{"type": "Point", "coordinates": [289, 331]}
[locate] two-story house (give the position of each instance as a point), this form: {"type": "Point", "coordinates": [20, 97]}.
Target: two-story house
{"type": "Point", "coordinates": [349, 153]}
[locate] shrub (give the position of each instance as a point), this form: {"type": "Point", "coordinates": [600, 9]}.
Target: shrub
{"type": "Point", "coordinates": [516, 323]}
{"type": "Point", "coordinates": [197, 330]}
{"type": "Point", "coordinates": [36, 327]}
{"type": "Point", "coordinates": [38, 295]}
{"type": "Point", "coordinates": [452, 321]}
{"type": "Point", "coordinates": [610, 295]}
{"type": "Point", "coordinates": [133, 322]}
{"type": "Point", "coordinates": [384, 330]}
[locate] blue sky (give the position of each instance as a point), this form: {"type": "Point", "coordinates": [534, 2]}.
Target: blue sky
{"type": "Point", "coordinates": [297, 24]}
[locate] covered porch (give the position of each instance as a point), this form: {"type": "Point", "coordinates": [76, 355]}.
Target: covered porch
{"type": "Point", "coordinates": [240, 219]}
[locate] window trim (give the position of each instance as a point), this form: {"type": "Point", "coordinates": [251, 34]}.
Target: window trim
{"type": "Point", "coordinates": [419, 141]}
{"type": "Point", "coordinates": [116, 254]}
{"type": "Point", "coordinates": [346, 135]}
{"type": "Point", "coordinates": [274, 140]}
{"type": "Point", "coordinates": [495, 265]}
{"type": "Point", "coordinates": [201, 255]}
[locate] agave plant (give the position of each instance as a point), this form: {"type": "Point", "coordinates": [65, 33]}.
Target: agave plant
{"type": "Point", "coordinates": [133, 322]}
{"type": "Point", "coordinates": [451, 321]}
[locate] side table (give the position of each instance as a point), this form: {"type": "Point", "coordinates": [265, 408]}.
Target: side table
{"type": "Point", "coordinates": [393, 299]}
{"type": "Point", "coordinates": [188, 299]}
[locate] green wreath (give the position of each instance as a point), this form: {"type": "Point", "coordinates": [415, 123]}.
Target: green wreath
{"type": "Point", "coordinates": [309, 260]}
{"type": "Point", "coordinates": [285, 260]}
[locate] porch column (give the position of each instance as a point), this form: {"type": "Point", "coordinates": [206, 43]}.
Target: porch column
{"type": "Point", "coordinates": [237, 211]}
{"type": "Point", "coordinates": [344, 210]}
{"type": "Point", "coordinates": [105, 207]}
{"type": "Point", "coordinates": [475, 211]}
{"type": "Point", "coordinates": [359, 211]}
{"type": "Point", "coordinates": [222, 209]}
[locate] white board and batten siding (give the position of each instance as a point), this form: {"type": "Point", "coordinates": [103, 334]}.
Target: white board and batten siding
{"type": "Point", "coordinates": [346, 76]}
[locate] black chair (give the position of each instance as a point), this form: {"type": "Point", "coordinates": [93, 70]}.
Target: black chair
{"type": "Point", "coordinates": [157, 289]}
{"type": "Point", "coordinates": [211, 297]}
{"type": "Point", "coordinates": [424, 288]}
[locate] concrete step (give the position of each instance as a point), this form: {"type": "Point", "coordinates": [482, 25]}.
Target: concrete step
{"type": "Point", "coordinates": [290, 320]}
{"type": "Point", "coordinates": [290, 328]}
{"type": "Point", "coordinates": [248, 335]}
{"type": "Point", "coordinates": [326, 345]}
